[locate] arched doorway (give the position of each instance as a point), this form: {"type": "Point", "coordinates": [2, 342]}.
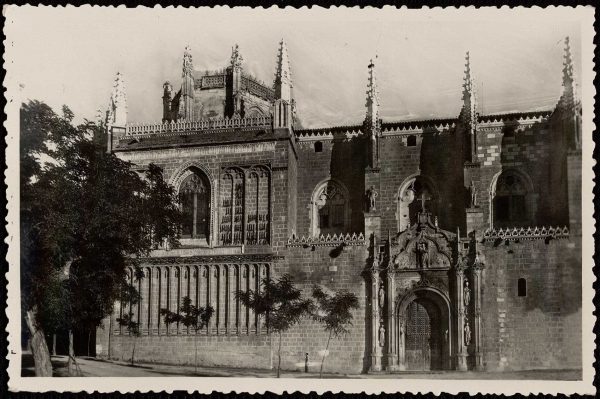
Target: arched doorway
{"type": "Point", "coordinates": [424, 339]}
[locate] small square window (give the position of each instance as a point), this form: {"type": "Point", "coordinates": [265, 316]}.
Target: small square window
{"type": "Point", "coordinates": [318, 146]}
{"type": "Point", "coordinates": [411, 141]}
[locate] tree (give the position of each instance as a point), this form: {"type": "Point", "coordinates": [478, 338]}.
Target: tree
{"type": "Point", "coordinates": [190, 316]}
{"type": "Point", "coordinates": [334, 311]}
{"type": "Point", "coordinates": [86, 216]}
{"type": "Point", "coordinates": [133, 327]}
{"type": "Point", "coordinates": [280, 303]}
{"type": "Point", "coordinates": [130, 296]}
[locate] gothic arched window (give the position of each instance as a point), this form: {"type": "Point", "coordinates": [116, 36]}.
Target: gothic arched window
{"type": "Point", "coordinates": [510, 204]}
{"type": "Point", "coordinates": [194, 196]}
{"type": "Point", "coordinates": [329, 209]}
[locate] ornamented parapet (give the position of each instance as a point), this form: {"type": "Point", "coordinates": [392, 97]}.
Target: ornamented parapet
{"type": "Point", "coordinates": [327, 241]}
{"type": "Point", "coordinates": [530, 233]}
{"type": "Point", "coordinates": [136, 130]}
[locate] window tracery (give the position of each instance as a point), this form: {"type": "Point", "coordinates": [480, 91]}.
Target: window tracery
{"type": "Point", "coordinates": [245, 206]}
{"type": "Point", "coordinates": [194, 197]}
{"type": "Point", "coordinates": [510, 200]}
{"type": "Point", "coordinates": [330, 209]}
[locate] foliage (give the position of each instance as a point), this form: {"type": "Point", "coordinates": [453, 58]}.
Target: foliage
{"type": "Point", "coordinates": [190, 316]}
{"type": "Point", "coordinates": [85, 216]}
{"type": "Point", "coordinates": [280, 302]}
{"type": "Point", "coordinates": [334, 311]}
{"type": "Point", "coordinates": [128, 322]}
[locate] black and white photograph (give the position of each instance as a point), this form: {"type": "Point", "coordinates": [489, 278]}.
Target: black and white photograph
{"type": "Point", "coordinates": [325, 199]}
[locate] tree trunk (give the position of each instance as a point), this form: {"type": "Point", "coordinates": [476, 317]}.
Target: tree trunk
{"type": "Point", "coordinates": [88, 343]}
{"type": "Point", "coordinates": [279, 357]}
{"type": "Point", "coordinates": [38, 346]}
{"type": "Point", "coordinates": [133, 351]}
{"type": "Point", "coordinates": [71, 353]}
{"type": "Point", "coordinates": [53, 344]}
{"type": "Point", "coordinates": [324, 355]}
{"type": "Point", "coordinates": [196, 353]}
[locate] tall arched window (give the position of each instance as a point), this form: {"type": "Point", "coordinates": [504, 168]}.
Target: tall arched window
{"type": "Point", "coordinates": [194, 196]}
{"type": "Point", "coordinates": [510, 200]}
{"type": "Point", "coordinates": [415, 195]}
{"type": "Point", "coordinates": [330, 209]}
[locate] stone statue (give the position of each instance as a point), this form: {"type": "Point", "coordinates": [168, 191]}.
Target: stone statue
{"type": "Point", "coordinates": [467, 293]}
{"type": "Point", "coordinates": [371, 196]}
{"type": "Point", "coordinates": [381, 296]}
{"type": "Point", "coordinates": [422, 254]}
{"type": "Point", "coordinates": [381, 335]}
{"type": "Point", "coordinates": [473, 192]}
{"type": "Point", "coordinates": [467, 333]}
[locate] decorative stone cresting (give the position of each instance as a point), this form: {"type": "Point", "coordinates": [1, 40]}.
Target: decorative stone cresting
{"type": "Point", "coordinates": [137, 130]}
{"type": "Point", "coordinates": [530, 233]}
{"type": "Point", "coordinates": [327, 240]}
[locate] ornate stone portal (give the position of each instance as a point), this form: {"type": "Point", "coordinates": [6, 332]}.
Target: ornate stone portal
{"type": "Point", "coordinates": [425, 294]}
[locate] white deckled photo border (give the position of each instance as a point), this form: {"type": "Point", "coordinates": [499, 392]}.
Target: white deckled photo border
{"type": "Point", "coordinates": [17, 15]}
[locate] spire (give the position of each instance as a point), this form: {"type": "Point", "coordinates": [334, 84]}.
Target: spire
{"type": "Point", "coordinates": [117, 107]}
{"type": "Point", "coordinates": [469, 108]}
{"type": "Point", "coordinates": [372, 117]}
{"type": "Point", "coordinates": [187, 86]}
{"type": "Point", "coordinates": [469, 95]}
{"type": "Point", "coordinates": [569, 84]}
{"type": "Point", "coordinates": [569, 102]}
{"type": "Point", "coordinates": [283, 75]}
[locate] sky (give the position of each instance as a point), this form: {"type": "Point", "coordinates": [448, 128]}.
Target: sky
{"type": "Point", "coordinates": [71, 56]}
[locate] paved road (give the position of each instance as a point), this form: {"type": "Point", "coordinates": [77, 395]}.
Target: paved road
{"type": "Point", "coordinates": [91, 367]}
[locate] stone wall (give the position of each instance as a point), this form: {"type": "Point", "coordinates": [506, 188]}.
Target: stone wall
{"type": "Point", "coordinates": [341, 159]}
{"type": "Point", "coordinates": [333, 268]}
{"type": "Point", "coordinates": [432, 156]}
{"type": "Point", "coordinates": [542, 329]}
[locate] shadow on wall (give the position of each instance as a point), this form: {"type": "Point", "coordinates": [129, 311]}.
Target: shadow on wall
{"type": "Point", "coordinates": [347, 165]}
{"type": "Point", "coordinates": [437, 164]}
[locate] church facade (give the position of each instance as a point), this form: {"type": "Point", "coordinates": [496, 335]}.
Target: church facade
{"type": "Point", "coordinates": [461, 237]}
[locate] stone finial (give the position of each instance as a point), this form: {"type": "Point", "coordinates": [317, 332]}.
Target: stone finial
{"type": "Point", "coordinates": [372, 103]}
{"type": "Point", "coordinates": [236, 57]}
{"type": "Point", "coordinates": [168, 89]}
{"type": "Point", "coordinates": [117, 107]}
{"type": "Point", "coordinates": [283, 75]}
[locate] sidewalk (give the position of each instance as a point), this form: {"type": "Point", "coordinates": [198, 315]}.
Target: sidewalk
{"type": "Point", "coordinates": [92, 367]}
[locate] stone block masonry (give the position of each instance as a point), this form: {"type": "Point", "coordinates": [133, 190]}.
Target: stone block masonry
{"type": "Point", "coordinates": [538, 327]}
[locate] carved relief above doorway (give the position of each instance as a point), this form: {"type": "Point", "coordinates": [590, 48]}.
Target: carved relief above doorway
{"type": "Point", "coordinates": [424, 314]}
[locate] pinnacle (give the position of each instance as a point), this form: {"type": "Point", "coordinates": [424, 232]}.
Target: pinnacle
{"type": "Point", "coordinates": [568, 76]}
{"type": "Point", "coordinates": [283, 74]}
